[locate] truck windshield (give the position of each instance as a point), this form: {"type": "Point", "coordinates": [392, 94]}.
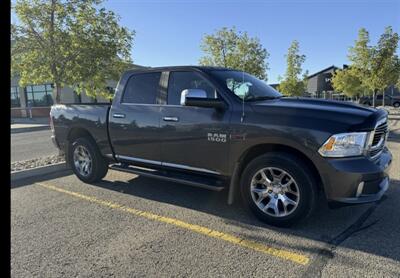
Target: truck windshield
{"type": "Point", "coordinates": [245, 86]}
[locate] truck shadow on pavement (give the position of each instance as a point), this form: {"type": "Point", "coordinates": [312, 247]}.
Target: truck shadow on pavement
{"type": "Point", "coordinates": [371, 228]}
{"type": "Point", "coordinates": [31, 180]}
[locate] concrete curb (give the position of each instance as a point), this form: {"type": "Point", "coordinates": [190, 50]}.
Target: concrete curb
{"type": "Point", "coordinates": [38, 171]}
{"type": "Point", "coordinates": [28, 129]}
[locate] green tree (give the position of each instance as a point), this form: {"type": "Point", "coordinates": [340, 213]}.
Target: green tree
{"type": "Point", "coordinates": [233, 49]}
{"type": "Point", "coordinates": [69, 43]}
{"type": "Point", "coordinates": [360, 56]}
{"type": "Point", "coordinates": [398, 82]}
{"type": "Point", "coordinates": [376, 66]}
{"type": "Point", "coordinates": [294, 82]}
{"type": "Point", "coordinates": [385, 64]}
{"type": "Point", "coordinates": [348, 82]}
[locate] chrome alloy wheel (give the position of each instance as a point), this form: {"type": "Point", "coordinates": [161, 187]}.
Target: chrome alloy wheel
{"type": "Point", "coordinates": [275, 192]}
{"type": "Point", "coordinates": [82, 161]}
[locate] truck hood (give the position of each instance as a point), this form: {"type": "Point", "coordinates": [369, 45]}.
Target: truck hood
{"type": "Point", "coordinates": [348, 115]}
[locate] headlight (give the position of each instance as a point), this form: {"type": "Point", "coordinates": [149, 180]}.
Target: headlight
{"type": "Point", "coordinates": [344, 144]}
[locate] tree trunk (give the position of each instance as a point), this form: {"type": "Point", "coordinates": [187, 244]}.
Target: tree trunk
{"type": "Point", "coordinates": [383, 97]}
{"type": "Point", "coordinates": [54, 72]}
{"type": "Point", "coordinates": [57, 93]}
{"type": "Point", "coordinates": [373, 99]}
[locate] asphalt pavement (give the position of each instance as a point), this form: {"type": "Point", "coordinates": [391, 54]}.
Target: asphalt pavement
{"type": "Point", "coordinates": [31, 144]}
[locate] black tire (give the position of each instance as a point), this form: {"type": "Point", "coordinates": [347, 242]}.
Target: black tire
{"type": "Point", "coordinates": [396, 104]}
{"type": "Point", "coordinates": [99, 166]}
{"type": "Point", "coordinates": [304, 180]}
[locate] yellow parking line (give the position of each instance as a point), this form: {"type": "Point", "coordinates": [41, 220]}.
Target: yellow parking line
{"type": "Point", "coordinates": [283, 254]}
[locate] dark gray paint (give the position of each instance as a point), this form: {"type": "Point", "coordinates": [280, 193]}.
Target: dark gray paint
{"type": "Point", "coordinates": [296, 124]}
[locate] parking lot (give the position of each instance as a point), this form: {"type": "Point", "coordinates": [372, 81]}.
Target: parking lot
{"type": "Point", "coordinates": [135, 226]}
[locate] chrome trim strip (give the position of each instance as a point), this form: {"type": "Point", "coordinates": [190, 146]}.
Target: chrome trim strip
{"type": "Point", "coordinates": [189, 168]}
{"type": "Point", "coordinates": [378, 154]}
{"type": "Point", "coordinates": [140, 104]}
{"type": "Point", "coordinates": [382, 141]}
{"type": "Point", "coordinates": [171, 119]}
{"type": "Point", "coordinates": [381, 121]}
{"type": "Point", "coordinates": [379, 144]}
{"type": "Point", "coordinates": [118, 115]}
{"type": "Point", "coordinates": [159, 163]}
{"type": "Point", "coordinates": [134, 159]}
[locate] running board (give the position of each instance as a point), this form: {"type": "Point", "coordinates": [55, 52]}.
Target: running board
{"type": "Point", "coordinates": [173, 176]}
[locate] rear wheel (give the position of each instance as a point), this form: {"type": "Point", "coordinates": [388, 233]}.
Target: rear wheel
{"type": "Point", "coordinates": [278, 189]}
{"type": "Point", "coordinates": [396, 104]}
{"type": "Point", "coordinates": [86, 161]}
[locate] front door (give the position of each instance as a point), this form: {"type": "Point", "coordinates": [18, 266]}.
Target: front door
{"type": "Point", "coordinates": [135, 120]}
{"type": "Point", "coordinates": [194, 138]}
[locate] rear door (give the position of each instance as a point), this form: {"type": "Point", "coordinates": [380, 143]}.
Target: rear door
{"type": "Point", "coordinates": [135, 120]}
{"type": "Point", "coordinates": [194, 138]}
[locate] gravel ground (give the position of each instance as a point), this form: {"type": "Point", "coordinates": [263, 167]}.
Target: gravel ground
{"type": "Point", "coordinates": [391, 110]}
{"type": "Point", "coordinates": [36, 162]}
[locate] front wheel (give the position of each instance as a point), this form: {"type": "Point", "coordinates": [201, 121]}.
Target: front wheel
{"type": "Point", "coordinates": [86, 161]}
{"type": "Point", "coordinates": [396, 104]}
{"type": "Point", "coordinates": [278, 189]}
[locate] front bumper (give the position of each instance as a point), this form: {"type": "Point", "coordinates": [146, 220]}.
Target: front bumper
{"type": "Point", "coordinates": [356, 180]}
{"type": "Point", "coordinates": [367, 198]}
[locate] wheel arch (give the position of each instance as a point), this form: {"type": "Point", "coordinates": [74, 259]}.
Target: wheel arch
{"type": "Point", "coordinates": [260, 149]}
{"type": "Point", "coordinates": [78, 132]}
{"type": "Point", "coordinates": [73, 134]}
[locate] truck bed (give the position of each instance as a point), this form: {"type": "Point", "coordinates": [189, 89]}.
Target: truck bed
{"type": "Point", "coordinates": [71, 119]}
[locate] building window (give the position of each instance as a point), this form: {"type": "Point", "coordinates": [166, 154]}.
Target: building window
{"type": "Point", "coordinates": [15, 101]}
{"type": "Point", "coordinates": [39, 95]}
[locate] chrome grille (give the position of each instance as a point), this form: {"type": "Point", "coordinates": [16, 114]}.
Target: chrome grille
{"type": "Point", "coordinates": [379, 139]}
{"type": "Point", "coordinates": [380, 132]}
{"type": "Point", "coordinates": [374, 153]}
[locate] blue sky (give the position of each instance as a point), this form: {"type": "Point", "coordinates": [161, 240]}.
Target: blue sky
{"type": "Point", "coordinates": [170, 32]}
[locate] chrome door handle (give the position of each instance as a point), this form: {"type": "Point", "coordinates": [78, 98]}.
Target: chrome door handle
{"type": "Point", "coordinates": [118, 115]}
{"type": "Point", "coordinates": [171, 119]}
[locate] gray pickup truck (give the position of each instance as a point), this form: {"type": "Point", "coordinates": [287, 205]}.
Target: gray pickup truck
{"type": "Point", "coordinates": [389, 100]}
{"type": "Point", "coordinates": [218, 128]}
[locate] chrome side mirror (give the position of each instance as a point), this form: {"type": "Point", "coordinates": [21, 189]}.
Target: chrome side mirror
{"type": "Point", "coordinates": [192, 93]}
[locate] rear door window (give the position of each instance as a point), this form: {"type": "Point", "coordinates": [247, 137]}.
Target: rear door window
{"type": "Point", "coordinates": [142, 88]}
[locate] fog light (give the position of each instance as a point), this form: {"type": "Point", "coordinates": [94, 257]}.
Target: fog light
{"type": "Point", "coordinates": [360, 189]}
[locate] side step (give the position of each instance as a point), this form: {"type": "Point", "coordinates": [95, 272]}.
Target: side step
{"type": "Point", "coordinates": [174, 176]}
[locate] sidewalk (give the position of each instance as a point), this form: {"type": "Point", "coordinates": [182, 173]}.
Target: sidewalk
{"type": "Point", "coordinates": [27, 124]}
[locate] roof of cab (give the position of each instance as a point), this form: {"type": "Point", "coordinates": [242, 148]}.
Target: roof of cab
{"type": "Point", "coordinates": [176, 68]}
